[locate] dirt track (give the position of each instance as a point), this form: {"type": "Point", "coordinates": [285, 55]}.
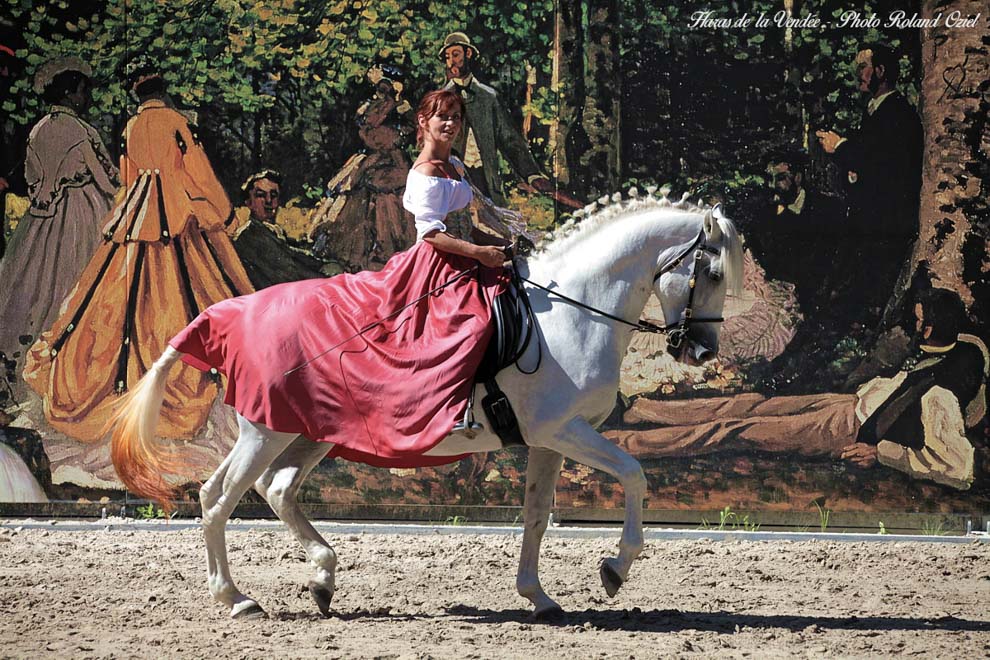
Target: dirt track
{"type": "Point", "coordinates": [124, 593]}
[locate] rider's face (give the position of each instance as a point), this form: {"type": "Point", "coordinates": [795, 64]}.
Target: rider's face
{"type": "Point", "coordinates": [442, 127]}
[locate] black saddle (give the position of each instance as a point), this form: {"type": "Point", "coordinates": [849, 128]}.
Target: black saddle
{"type": "Point", "coordinates": [513, 323]}
{"type": "Point", "coordinates": [511, 327]}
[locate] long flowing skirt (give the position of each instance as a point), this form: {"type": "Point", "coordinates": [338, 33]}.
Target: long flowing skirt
{"type": "Point", "coordinates": [43, 262]}
{"type": "Point", "coordinates": [300, 357]}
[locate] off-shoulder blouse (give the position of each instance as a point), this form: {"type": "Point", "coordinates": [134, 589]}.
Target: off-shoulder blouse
{"type": "Point", "coordinates": [431, 198]}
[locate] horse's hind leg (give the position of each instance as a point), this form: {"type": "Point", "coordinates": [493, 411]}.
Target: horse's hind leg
{"type": "Point", "coordinates": [579, 441]}
{"type": "Point", "coordinates": [542, 471]}
{"type": "Point", "coordinates": [255, 449]}
{"type": "Point", "coordinates": [279, 485]}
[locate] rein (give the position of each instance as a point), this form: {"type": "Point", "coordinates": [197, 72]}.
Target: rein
{"type": "Point", "coordinates": [676, 332]}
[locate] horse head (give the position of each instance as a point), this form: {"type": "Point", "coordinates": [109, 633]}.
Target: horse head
{"type": "Point", "coordinates": [692, 288]}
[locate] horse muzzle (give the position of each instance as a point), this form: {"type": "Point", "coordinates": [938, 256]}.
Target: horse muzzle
{"type": "Point", "coordinates": [698, 353]}
{"type": "Point", "coordinates": [684, 348]}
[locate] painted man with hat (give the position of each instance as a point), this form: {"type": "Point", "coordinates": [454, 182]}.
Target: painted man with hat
{"type": "Point", "coordinates": [71, 181]}
{"type": "Point", "coordinates": [488, 129]}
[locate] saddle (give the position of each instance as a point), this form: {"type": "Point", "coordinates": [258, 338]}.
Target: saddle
{"type": "Point", "coordinates": [514, 326]}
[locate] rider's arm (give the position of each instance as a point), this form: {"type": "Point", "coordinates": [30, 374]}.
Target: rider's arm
{"type": "Point", "coordinates": [488, 255]}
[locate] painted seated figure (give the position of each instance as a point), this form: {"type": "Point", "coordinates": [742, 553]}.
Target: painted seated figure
{"type": "Point", "coordinates": [262, 245]}
{"type": "Point", "coordinates": [915, 421]}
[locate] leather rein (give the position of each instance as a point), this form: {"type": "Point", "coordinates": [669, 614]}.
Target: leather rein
{"type": "Point", "coordinates": [676, 332]}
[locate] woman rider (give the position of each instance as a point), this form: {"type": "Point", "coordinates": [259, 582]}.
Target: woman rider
{"type": "Point", "coordinates": [381, 364]}
{"type": "Point", "coordinates": [436, 185]}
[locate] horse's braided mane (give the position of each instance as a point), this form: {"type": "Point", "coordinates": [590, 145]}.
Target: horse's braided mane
{"type": "Point", "coordinates": [608, 208]}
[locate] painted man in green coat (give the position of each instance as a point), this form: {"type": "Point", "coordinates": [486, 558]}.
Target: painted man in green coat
{"type": "Point", "coordinates": [488, 130]}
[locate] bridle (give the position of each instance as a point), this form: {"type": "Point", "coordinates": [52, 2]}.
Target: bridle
{"type": "Point", "coordinates": [676, 332]}
{"type": "Point", "coordinates": [676, 335]}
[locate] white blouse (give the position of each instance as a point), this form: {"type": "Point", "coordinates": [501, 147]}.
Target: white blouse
{"type": "Point", "coordinates": [431, 198]}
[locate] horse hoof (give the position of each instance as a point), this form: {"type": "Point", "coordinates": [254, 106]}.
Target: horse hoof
{"type": "Point", "coordinates": [322, 596]}
{"type": "Point", "coordinates": [610, 579]}
{"type": "Point", "coordinates": [549, 614]}
{"type": "Point", "coordinates": [252, 612]}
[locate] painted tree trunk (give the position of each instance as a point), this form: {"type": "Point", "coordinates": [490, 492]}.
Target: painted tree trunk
{"type": "Point", "coordinates": [568, 83]}
{"type": "Point", "coordinates": [586, 143]}
{"type": "Point", "coordinates": [954, 223]}
{"type": "Point", "coordinates": [600, 117]}
{"type": "Point", "coordinates": [955, 100]}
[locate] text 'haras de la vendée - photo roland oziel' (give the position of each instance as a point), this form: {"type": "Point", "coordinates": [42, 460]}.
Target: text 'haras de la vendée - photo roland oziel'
{"type": "Point", "coordinates": [899, 19]}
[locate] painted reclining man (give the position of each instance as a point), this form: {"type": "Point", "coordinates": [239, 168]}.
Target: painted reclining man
{"type": "Point", "coordinates": [915, 422]}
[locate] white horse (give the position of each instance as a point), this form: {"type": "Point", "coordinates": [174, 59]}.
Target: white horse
{"type": "Point", "coordinates": [611, 261]}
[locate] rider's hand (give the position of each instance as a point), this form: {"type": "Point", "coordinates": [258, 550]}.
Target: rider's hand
{"type": "Point", "coordinates": [490, 256]}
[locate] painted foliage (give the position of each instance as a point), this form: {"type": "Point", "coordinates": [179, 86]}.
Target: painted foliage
{"type": "Point", "coordinates": [847, 141]}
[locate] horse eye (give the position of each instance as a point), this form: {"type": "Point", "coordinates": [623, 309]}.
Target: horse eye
{"type": "Point", "coordinates": [714, 274]}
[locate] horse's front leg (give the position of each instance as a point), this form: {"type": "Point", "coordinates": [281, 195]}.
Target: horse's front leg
{"type": "Point", "coordinates": [579, 441]}
{"type": "Point", "coordinates": [542, 471]}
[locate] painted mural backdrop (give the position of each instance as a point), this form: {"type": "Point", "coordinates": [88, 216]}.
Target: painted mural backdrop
{"type": "Point", "coordinates": [848, 141]}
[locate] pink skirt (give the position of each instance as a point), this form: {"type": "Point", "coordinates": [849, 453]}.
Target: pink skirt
{"type": "Point", "coordinates": [295, 361]}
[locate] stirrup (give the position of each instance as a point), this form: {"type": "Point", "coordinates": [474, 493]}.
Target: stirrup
{"type": "Point", "coordinates": [467, 426]}
{"type": "Point", "coordinates": [468, 430]}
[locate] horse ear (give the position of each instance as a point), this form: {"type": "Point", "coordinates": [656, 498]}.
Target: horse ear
{"type": "Point", "coordinates": [712, 231]}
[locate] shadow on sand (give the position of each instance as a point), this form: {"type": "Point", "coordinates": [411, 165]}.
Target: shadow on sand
{"type": "Point", "coordinates": [675, 620]}
{"type": "Point", "coordinates": [637, 620]}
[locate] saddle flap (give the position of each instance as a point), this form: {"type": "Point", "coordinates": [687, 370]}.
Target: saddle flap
{"type": "Point", "coordinates": [510, 332]}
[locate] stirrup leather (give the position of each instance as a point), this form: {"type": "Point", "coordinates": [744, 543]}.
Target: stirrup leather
{"type": "Point", "coordinates": [467, 426]}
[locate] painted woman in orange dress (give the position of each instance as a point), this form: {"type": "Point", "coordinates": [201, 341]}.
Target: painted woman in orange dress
{"type": "Point", "coordinates": [164, 259]}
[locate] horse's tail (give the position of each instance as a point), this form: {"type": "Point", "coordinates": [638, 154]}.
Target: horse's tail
{"type": "Point", "coordinates": [141, 462]}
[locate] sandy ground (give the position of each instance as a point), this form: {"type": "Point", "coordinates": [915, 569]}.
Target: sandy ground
{"type": "Point", "coordinates": [128, 593]}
